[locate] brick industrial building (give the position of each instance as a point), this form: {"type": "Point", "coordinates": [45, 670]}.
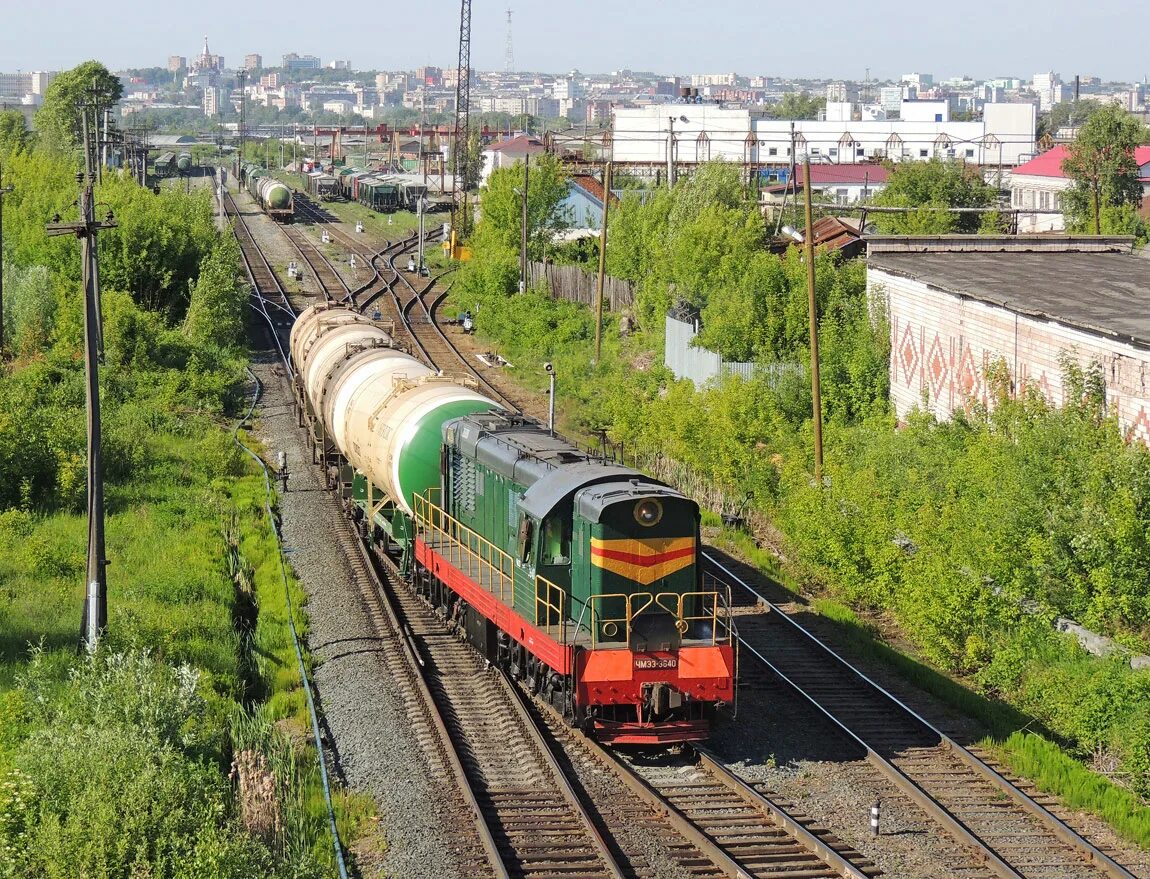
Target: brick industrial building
{"type": "Point", "coordinates": [959, 304]}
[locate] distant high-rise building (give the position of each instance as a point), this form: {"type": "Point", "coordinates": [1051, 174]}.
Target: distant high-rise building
{"type": "Point", "coordinates": [17, 85]}
{"type": "Point", "coordinates": [842, 92]}
{"type": "Point", "coordinates": [214, 98]}
{"type": "Point", "coordinates": [253, 62]}
{"type": "Point", "coordinates": [292, 61]}
{"type": "Point", "coordinates": [701, 80]}
{"type": "Point", "coordinates": [1048, 87]}
{"type": "Point", "coordinates": [432, 76]}
{"type": "Point", "coordinates": [339, 65]}
{"type": "Point", "coordinates": [890, 98]}
{"type": "Point", "coordinates": [920, 81]}
{"type": "Point", "coordinates": [176, 62]}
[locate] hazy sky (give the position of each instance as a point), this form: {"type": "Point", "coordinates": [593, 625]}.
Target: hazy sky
{"type": "Point", "coordinates": [829, 38]}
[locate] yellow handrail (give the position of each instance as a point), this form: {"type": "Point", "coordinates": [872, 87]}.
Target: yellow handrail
{"type": "Point", "coordinates": [550, 599]}
{"type": "Point", "coordinates": [466, 549]}
{"type": "Point", "coordinates": [675, 603]}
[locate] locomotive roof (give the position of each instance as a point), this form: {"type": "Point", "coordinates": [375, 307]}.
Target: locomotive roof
{"type": "Point", "coordinates": [550, 466]}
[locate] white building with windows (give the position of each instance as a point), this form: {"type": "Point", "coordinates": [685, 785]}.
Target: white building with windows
{"type": "Point", "coordinates": [1038, 185]}
{"type": "Point", "coordinates": [702, 132]}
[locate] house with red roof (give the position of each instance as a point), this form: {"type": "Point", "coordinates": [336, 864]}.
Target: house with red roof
{"type": "Point", "coordinates": [507, 152]}
{"type": "Point", "coordinates": [843, 184]}
{"type": "Point", "coordinates": [1038, 185]}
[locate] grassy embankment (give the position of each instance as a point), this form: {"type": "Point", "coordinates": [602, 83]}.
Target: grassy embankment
{"type": "Point", "coordinates": [118, 764]}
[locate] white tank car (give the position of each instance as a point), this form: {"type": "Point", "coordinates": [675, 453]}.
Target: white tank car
{"type": "Point", "coordinates": [383, 409]}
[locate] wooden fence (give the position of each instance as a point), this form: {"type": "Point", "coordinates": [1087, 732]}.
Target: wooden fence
{"type": "Point", "coordinates": [575, 285]}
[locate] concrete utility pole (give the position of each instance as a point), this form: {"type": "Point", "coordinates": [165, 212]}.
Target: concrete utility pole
{"type": "Point", "coordinates": [812, 305]}
{"type": "Point", "coordinates": [95, 616]}
{"type": "Point", "coordinates": [523, 230]}
{"type": "Point", "coordinates": [4, 190]}
{"type": "Point", "coordinates": [602, 264]}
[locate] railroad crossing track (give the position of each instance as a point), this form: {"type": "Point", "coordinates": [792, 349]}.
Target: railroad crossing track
{"type": "Point", "coordinates": [708, 820]}
{"type": "Point", "coordinates": [377, 286]}
{"type": "Point", "coordinates": [1008, 832]}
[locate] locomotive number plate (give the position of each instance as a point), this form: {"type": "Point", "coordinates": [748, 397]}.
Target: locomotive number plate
{"type": "Point", "coordinates": [654, 662]}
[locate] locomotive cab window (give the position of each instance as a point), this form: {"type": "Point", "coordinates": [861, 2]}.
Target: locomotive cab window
{"type": "Point", "coordinates": [556, 540]}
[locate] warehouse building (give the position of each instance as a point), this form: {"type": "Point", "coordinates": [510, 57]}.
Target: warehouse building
{"type": "Point", "coordinates": [958, 305]}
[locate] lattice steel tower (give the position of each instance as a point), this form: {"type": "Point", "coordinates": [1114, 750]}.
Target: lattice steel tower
{"type": "Point", "coordinates": [509, 52]}
{"type": "Point", "coordinates": [460, 158]}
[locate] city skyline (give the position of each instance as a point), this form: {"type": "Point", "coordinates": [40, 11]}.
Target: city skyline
{"type": "Point", "coordinates": [645, 35]}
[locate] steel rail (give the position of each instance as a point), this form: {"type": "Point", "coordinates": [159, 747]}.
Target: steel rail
{"type": "Point", "coordinates": [646, 792]}
{"type": "Point", "coordinates": [1064, 833]}
{"type": "Point", "coordinates": [526, 724]}
{"type": "Point", "coordinates": [449, 751]}
{"type": "Point", "coordinates": [419, 674]}
{"type": "Point", "coordinates": [405, 309]}
{"type": "Point", "coordinates": [519, 699]}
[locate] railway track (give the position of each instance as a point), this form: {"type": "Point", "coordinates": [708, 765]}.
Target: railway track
{"type": "Point", "coordinates": [707, 820]}
{"type": "Point", "coordinates": [367, 294]}
{"type": "Point", "coordinates": [1009, 833]}
{"type": "Point", "coordinates": [331, 282]}
{"type": "Point", "coordinates": [410, 304]}
{"type": "Point", "coordinates": [417, 302]}
{"type": "Point", "coordinates": [270, 297]}
{"type": "Point", "coordinates": [539, 825]}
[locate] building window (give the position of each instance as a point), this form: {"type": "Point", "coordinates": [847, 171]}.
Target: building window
{"type": "Point", "coordinates": [773, 151]}
{"type": "Point", "coordinates": [860, 152]}
{"type": "Point", "coordinates": [922, 154]}
{"type": "Point", "coordinates": [841, 196]}
{"type": "Point", "coordinates": [970, 152]}
{"type": "Point", "coordinates": [815, 151]}
{"type": "Point", "coordinates": [1057, 201]}
{"type": "Point", "coordinates": [833, 151]}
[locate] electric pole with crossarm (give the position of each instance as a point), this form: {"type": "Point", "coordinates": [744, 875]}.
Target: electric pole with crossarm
{"type": "Point", "coordinates": [95, 617]}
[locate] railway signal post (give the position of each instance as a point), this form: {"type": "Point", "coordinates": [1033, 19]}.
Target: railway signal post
{"type": "Point", "coordinates": [95, 616]}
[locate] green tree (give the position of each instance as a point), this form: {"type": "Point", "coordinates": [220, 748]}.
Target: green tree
{"type": "Point", "coordinates": [13, 133]}
{"type": "Point", "coordinates": [59, 118]}
{"type": "Point", "coordinates": [928, 189]}
{"type": "Point", "coordinates": [798, 105]}
{"type": "Point", "coordinates": [1067, 113]}
{"type": "Point", "coordinates": [1101, 164]}
{"type": "Point", "coordinates": [501, 208]}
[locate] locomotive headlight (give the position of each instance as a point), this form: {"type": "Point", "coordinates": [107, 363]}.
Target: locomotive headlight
{"type": "Point", "coordinates": [648, 512]}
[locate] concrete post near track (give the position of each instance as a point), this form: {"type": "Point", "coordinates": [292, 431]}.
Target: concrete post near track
{"type": "Point", "coordinates": [4, 190]}
{"type": "Point", "coordinates": [95, 616]}
{"type": "Point", "coordinates": [812, 306]}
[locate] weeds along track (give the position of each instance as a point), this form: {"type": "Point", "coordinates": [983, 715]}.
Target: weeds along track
{"type": "Point", "coordinates": [1007, 831]}
{"type": "Point", "coordinates": [539, 825]}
